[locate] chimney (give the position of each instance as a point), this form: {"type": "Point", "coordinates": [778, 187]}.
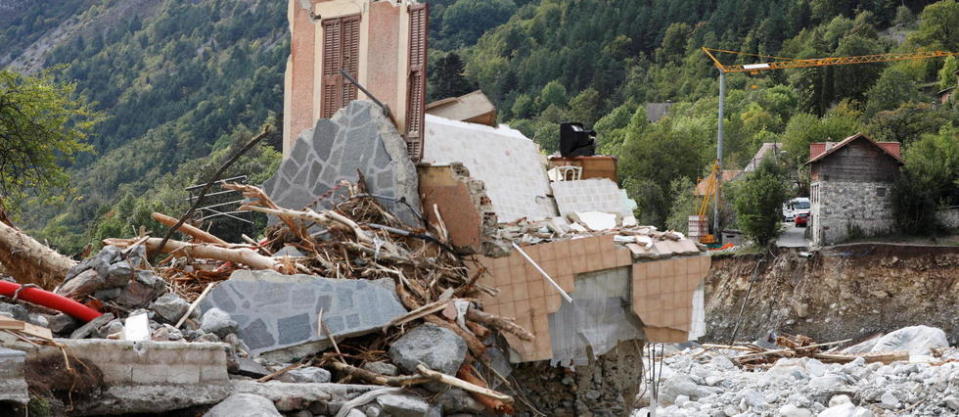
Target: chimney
{"type": "Point", "coordinates": [892, 147]}
{"type": "Point", "coordinates": [816, 149]}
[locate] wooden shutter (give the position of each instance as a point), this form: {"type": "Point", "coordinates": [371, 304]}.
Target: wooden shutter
{"type": "Point", "coordinates": [341, 50]}
{"type": "Point", "coordinates": [416, 81]}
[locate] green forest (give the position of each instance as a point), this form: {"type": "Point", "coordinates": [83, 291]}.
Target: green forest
{"type": "Point", "coordinates": [180, 84]}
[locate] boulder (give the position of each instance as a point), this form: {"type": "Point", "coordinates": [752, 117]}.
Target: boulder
{"type": "Point", "coordinates": [247, 405]}
{"type": "Point", "coordinates": [170, 307]}
{"type": "Point", "coordinates": [218, 322]}
{"type": "Point", "coordinates": [61, 323]}
{"type": "Point", "coordinates": [142, 290]}
{"type": "Point", "coordinates": [438, 348]}
{"type": "Point", "coordinates": [382, 368]}
{"type": "Point", "coordinates": [310, 374]}
{"type": "Point", "coordinates": [82, 285]}
{"type": "Point", "coordinates": [917, 340]}
{"type": "Point", "coordinates": [397, 405]}
{"type": "Point", "coordinates": [92, 326]}
{"type": "Point", "coordinates": [790, 410]}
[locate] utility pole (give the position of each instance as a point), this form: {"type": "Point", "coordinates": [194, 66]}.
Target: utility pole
{"type": "Point", "coordinates": [719, 154]}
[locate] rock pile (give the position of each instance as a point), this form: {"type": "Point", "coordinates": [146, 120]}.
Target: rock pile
{"type": "Point", "coordinates": [699, 382]}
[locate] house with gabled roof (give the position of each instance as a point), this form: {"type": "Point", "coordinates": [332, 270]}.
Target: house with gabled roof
{"type": "Point", "coordinates": [851, 188]}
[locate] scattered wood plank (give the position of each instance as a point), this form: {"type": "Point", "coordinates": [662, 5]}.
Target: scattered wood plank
{"type": "Point", "coordinates": [26, 328]}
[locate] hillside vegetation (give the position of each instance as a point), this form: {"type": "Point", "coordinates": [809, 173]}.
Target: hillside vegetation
{"type": "Point", "coordinates": [182, 81]}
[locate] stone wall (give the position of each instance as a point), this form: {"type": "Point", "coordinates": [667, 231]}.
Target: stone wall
{"type": "Point", "coordinates": [845, 210]}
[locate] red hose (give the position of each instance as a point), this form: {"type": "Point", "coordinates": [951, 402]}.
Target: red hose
{"type": "Point", "coordinates": [51, 300]}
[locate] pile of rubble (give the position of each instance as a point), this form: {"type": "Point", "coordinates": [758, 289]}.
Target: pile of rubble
{"type": "Point", "coordinates": [398, 312]}
{"type": "Point", "coordinates": [911, 372]}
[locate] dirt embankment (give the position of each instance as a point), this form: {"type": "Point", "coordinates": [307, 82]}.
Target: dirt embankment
{"type": "Point", "coordinates": [839, 293]}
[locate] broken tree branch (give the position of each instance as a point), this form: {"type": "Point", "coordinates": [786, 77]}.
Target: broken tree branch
{"type": "Point", "coordinates": [499, 323]}
{"type": "Point", "coordinates": [29, 261]}
{"type": "Point", "coordinates": [238, 255]}
{"type": "Point", "coordinates": [379, 379]}
{"type": "Point", "coordinates": [194, 232]}
{"type": "Point", "coordinates": [461, 384]}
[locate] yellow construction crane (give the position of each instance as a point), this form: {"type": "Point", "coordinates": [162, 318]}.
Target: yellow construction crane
{"type": "Point", "coordinates": [778, 63]}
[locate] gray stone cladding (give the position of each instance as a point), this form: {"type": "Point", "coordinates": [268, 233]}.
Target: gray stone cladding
{"type": "Point", "coordinates": [359, 138]}
{"type": "Point", "coordinates": [275, 311]}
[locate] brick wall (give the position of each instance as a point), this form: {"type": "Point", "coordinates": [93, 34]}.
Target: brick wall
{"type": "Point", "coordinates": [661, 290]}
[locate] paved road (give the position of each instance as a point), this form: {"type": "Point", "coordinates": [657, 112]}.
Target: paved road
{"type": "Point", "coordinates": [792, 237]}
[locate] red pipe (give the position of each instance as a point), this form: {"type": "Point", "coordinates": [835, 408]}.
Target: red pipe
{"type": "Point", "coordinates": [51, 300]}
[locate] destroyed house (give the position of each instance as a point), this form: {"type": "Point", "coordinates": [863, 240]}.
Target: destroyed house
{"type": "Point", "coordinates": [851, 188]}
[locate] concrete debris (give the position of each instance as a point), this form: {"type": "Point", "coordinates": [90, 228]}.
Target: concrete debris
{"type": "Point", "coordinates": [136, 328]}
{"type": "Point", "coordinates": [248, 405]}
{"type": "Point", "coordinates": [438, 348]}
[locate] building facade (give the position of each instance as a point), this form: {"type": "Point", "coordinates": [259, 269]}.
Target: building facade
{"type": "Point", "coordinates": [851, 188]}
{"type": "Point", "coordinates": [380, 44]}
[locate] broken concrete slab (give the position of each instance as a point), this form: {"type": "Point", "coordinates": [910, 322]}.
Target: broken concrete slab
{"type": "Point", "coordinates": [359, 138]}
{"type": "Point", "coordinates": [595, 220]}
{"type": "Point", "coordinates": [13, 386]}
{"type": "Point", "coordinates": [277, 314]}
{"type": "Point", "coordinates": [509, 164]}
{"type": "Point", "coordinates": [595, 194]}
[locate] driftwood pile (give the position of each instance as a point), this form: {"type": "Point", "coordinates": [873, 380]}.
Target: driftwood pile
{"type": "Point", "coordinates": [800, 346]}
{"type": "Point", "coordinates": [356, 239]}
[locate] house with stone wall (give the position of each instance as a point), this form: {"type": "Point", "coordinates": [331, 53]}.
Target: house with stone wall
{"type": "Point", "coordinates": [851, 188]}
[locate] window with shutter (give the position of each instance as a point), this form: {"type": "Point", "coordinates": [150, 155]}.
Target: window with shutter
{"type": "Point", "coordinates": [341, 50]}
{"type": "Point", "coordinates": [416, 95]}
